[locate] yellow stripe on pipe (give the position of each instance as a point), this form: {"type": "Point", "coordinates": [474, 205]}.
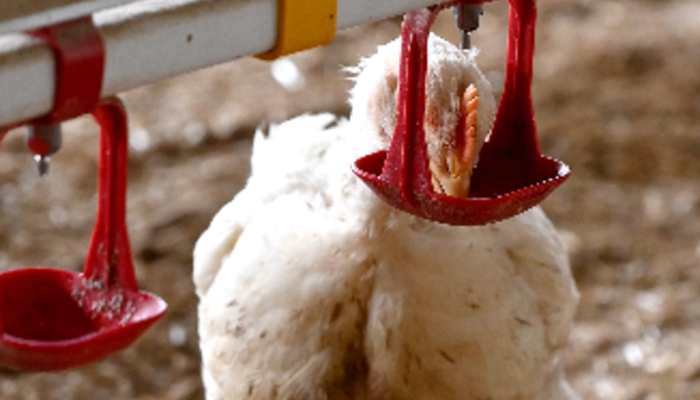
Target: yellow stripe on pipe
{"type": "Point", "coordinates": [303, 24]}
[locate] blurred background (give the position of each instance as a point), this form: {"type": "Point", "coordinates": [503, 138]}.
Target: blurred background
{"type": "Point", "coordinates": [617, 97]}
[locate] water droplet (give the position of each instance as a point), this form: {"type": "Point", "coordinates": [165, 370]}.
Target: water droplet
{"type": "Point", "coordinates": [42, 164]}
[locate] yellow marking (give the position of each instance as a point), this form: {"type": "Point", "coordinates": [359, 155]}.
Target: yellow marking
{"type": "Point", "coordinates": [303, 24]}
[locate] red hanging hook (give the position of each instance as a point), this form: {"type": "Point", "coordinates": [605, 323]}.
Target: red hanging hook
{"type": "Point", "coordinates": [52, 319]}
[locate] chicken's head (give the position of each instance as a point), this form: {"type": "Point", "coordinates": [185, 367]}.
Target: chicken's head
{"type": "Point", "coordinates": [459, 109]}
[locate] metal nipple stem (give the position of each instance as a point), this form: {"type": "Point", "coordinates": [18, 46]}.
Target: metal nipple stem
{"type": "Point", "coordinates": [44, 141]}
{"type": "Point", "coordinates": [467, 21]}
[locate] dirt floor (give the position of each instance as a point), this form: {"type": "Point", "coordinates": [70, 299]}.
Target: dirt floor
{"type": "Point", "coordinates": [617, 97]}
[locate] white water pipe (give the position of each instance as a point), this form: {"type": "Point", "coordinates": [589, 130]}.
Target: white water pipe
{"type": "Point", "coordinates": [155, 39]}
{"type": "Point", "coordinates": [24, 15]}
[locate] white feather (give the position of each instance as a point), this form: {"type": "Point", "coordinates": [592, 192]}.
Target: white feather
{"type": "Point", "coordinates": [312, 288]}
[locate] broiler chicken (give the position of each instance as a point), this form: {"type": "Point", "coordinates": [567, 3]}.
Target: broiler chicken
{"type": "Point", "coordinates": [312, 288]}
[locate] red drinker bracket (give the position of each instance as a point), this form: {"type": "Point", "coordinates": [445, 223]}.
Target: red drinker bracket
{"type": "Point", "coordinates": [53, 319]}
{"type": "Point", "coordinates": [80, 59]}
{"type": "Point", "coordinates": [511, 175]}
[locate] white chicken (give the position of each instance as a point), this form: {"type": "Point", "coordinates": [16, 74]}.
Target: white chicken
{"type": "Point", "coordinates": [312, 288]}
